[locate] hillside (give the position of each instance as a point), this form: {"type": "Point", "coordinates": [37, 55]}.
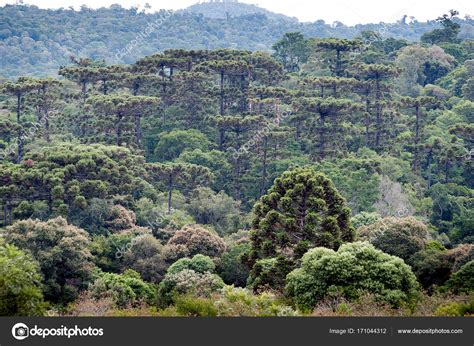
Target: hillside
{"type": "Point", "coordinates": [331, 178]}
{"type": "Point", "coordinates": [224, 10]}
{"type": "Point", "coordinates": [36, 41]}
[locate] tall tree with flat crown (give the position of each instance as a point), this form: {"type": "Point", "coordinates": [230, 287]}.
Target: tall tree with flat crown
{"type": "Point", "coordinates": [123, 114]}
{"type": "Point", "coordinates": [338, 47]}
{"type": "Point", "coordinates": [23, 86]}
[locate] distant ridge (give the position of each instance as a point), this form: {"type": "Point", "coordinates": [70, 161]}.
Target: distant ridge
{"type": "Point", "coordinates": [225, 8]}
{"type": "Point", "coordinates": [36, 41]}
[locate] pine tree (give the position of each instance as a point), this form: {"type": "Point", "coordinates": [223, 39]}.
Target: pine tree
{"type": "Point", "coordinates": [339, 47]}
{"type": "Point", "coordinates": [418, 104]}
{"type": "Point", "coordinates": [301, 210]}
{"type": "Point", "coordinates": [45, 100]}
{"type": "Point", "coordinates": [170, 176]}
{"type": "Point", "coordinates": [22, 87]}
{"type": "Point", "coordinates": [323, 126]}
{"type": "Point", "coordinates": [240, 128]}
{"type": "Point", "coordinates": [121, 114]}
{"type": "Point", "coordinates": [379, 76]}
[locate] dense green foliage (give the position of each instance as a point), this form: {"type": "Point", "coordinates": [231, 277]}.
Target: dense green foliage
{"type": "Point", "coordinates": [227, 182]}
{"type": "Point", "coordinates": [463, 279]}
{"type": "Point", "coordinates": [352, 270]}
{"type": "Point", "coordinates": [189, 276]}
{"type": "Point", "coordinates": [125, 289]}
{"type": "Point", "coordinates": [62, 253]}
{"type": "Point", "coordinates": [301, 211]}
{"type": "Point", "coordinates": [20, 284]}
{"type": "Point", "coordinates": [398, 237]}
{"type": "Point", "coordinates": [38, 41]}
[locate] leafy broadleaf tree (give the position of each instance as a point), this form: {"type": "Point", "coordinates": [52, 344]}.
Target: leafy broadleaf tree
{"type": "Point", "coordinates": [61, 251]}
{"type": "Point", "coordinates": [448, 33]}
{"type": "Point", "coordinates": [292, 50]}
{"type": "Point", "coordinates": [354, 269]}
{"type": "Point", "coordinates": [22, 87]}
{"type": "Point", "coordinates": [20, 283]}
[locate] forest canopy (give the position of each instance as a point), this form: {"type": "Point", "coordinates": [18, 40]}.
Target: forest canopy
{"type": "Point", "coordinates": [35, 41]}
{"type": "Point", "coordinates": [319, 170]}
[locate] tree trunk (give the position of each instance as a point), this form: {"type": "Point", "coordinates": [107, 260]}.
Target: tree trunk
{"type": "Point", "coordinates": [429, 161]}
{"type": "Point", "coordinates": [367, 120]}
{"type": "Point", "coordinates": [46, 127]}
{"type": "Point", "coordinates": [221, 139]}
{"type": "Point", "coordinates": [447, 166]}
{"type": "Point", "coordinates": [238, 168]}
{"type": "Point", "coordinates": [322, 139]}
{"type": "Point", "coordinates": [18, 108]}
{"type": "Point", "coordinates": [20, 131]}
{"type": "Point", "coordinates": [119, 128]}
{"type": "Point", "coordinates": [416, 162]}
{"type": "Point", "coordinates": [378, 113]}
{"type": "Point", "coordinates": [83, 118]}
{"type": "Point", "coordinates": [222, 94]}
{"type": "Point", "coordinates": [338, 63]}
{"type": "Point", "coordinates": [264, 166]}
{"type": "Point", "coordinates": [138, 130]}
{"type": "Point", "coordinates": [170, 193]}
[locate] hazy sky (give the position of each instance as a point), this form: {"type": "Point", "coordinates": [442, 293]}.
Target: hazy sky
{"type": "Point", "coordinates": [346, 11]}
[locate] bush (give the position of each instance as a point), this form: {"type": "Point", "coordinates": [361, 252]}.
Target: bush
{"type": "Point", "coordinates": [195, 306]}
{"type": "Point", "coordinates": [61, 251]}
{"type": "Point", "coordinates": [193, 240]}
{"type": "Point", "coordinates": [199, 263]}
{"type": "Point", "coordinates": [353, 270]}
{"type": "Point", "coordinates": [126, 289]}
{"type": "Point", "coordinates": [242, 302]}
{"type": "Point", "coordinates": [431, 267]}
{"type": "Point", "coordinates": [20, 283]}
{"type": "Point", "coordinates": [463, 280]}
{"type": "Point", "coordinates": [187, 282]}
{"type": "Point", "coordinates": [231, 269]}
{"type": "Point", "coordinates": [401, 237]}
{"type": "Point", "coordinates": [456, 309]}
{"type": "Point", "coordinates": [89, 306]}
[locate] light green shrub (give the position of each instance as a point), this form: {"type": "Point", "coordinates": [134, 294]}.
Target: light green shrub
{"type": "Point", "coordinates": [354, 269]}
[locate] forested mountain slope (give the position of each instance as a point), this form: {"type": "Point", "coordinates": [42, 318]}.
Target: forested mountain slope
{"type": "Point", "coordinates": [332, 177]}
{"type": "Point", "coordinates": [37, 41]}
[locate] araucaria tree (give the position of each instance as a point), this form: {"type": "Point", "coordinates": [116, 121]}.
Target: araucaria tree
{"type": "Point", "coordinates": [302, 210]}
